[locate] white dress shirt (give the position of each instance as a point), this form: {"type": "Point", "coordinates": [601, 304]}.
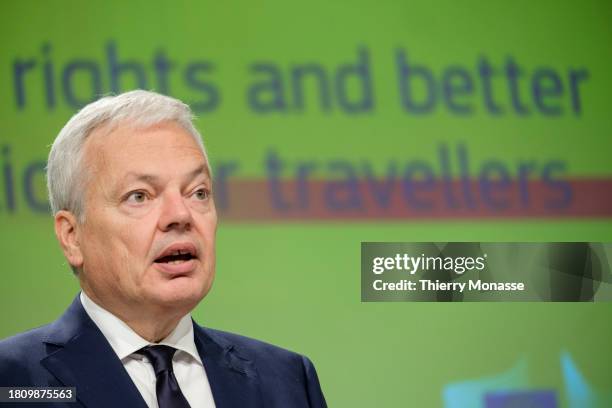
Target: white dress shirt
{"type": "Point", "coordinates": [187, 365]}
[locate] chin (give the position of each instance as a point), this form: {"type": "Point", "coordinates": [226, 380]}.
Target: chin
{"type": "Point", "coordinates": [180, 293]}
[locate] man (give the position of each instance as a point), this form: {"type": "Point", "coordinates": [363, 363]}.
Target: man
{"type": "Point", "coordinates": [130, 188]}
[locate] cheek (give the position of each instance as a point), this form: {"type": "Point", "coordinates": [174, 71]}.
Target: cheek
{"type": "Point", "coordinates": [210, 225]}
{"type": "Point", "coordinates": [134, 243]}
{"type": "Point", "coordinates": [207, 227]}
{"type": "Point", "coordinates": [124, 248]}
{"type": "Point", "coordinates": [209, 235]}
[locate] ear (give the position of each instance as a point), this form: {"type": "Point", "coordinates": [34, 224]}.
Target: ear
{"type": "Point", "coordinates": [67, 233]}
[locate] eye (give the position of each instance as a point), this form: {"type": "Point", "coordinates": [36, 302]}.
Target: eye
{"type": "Point", "coordinates": [137, 197]}
{"type": "Point", "coordinates": [201, 194]}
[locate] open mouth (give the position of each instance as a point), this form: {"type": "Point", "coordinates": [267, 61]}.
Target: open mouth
{"type": "Point", "coordinates": [176, 257]}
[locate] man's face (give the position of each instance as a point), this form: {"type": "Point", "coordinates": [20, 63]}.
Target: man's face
{"type": "Point", "coordinates": [148, 240]}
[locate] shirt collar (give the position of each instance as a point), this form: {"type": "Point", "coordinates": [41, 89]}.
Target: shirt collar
{"type": "Point", "coordinates": [125, 341]}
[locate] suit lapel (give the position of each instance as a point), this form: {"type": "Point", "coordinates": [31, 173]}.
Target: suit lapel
{"type": "Point", "coordinates": [84, 359]}
{"type": "Point", "coordinates": [233, 379]}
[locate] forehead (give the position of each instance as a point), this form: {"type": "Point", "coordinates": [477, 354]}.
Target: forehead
{"type": "Point", "coordinates": [164, 148]}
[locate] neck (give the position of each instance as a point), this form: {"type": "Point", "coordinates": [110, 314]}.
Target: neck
{"type": "Point", "coordinates": [151, 325]}
{"type": "Point", "coordinates": [153, 332]}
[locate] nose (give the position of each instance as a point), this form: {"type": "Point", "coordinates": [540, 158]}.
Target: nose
{"type": "Point", "coordinates": [175, 214]}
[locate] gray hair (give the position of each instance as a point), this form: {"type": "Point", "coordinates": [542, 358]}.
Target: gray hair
{"type": "Point", "coordinates": [141, 109]}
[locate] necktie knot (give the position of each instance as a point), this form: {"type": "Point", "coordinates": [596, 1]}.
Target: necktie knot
{"type": "Point", "coordinates": [167, 389]}
{"type": "Point", "coordinates": [159, 356]}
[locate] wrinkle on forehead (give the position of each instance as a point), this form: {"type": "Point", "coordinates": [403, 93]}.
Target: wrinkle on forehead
{"type": "Point", "coordinates": [105, 148]}
{"type": "Point", "coordinates": [103, 141]}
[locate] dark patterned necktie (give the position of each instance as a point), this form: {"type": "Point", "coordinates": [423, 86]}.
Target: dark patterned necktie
{"type": "Point", "coordinates": [169, 394]}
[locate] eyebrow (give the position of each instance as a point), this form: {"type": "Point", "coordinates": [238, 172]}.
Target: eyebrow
{"type": "Point", "coordinates": [153, 179]}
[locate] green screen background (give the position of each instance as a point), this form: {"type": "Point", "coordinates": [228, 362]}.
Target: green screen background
{"type": "Point", "coordinates": [297, 283]}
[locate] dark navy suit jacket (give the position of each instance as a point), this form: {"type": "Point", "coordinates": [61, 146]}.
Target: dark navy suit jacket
{"type": "Point", "coordinates": [242, 372]}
